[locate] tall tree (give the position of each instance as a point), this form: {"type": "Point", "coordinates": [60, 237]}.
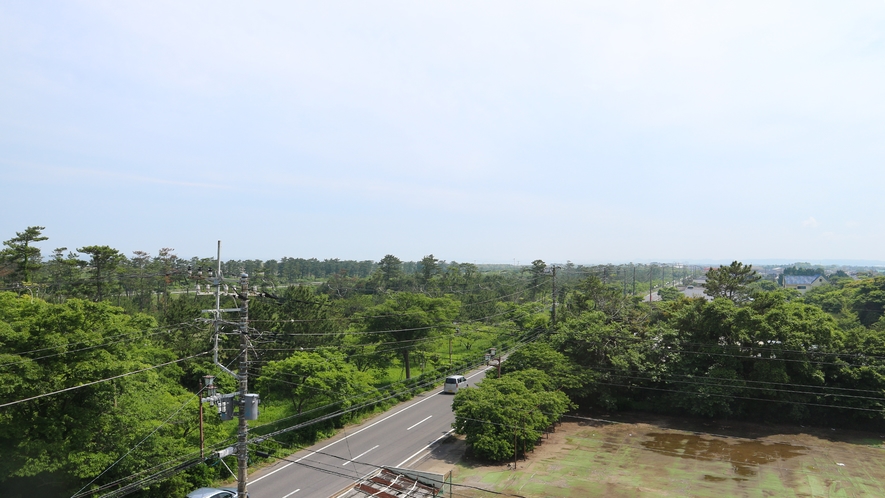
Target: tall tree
{"type": "Point", "coordinates": [429, 268]}
{"type": "Point", "coordinates": [71, 437]}
{"type": "Point", "coordinates": [21, 253]}
{"type": "Point", "coordinates": [103, 259]}
{"type": "Point", "coordinates": [731, 282]}
{"type": "Point", "coordinates": [513, 409]}
{"type": "Point", "coordinates": [62, 271]}
{"type": "Point", "coordinates": [391, 269]}
{"type": "Point", "coordinates": [537, 272]}
{"type": "Point", "coordinates": [311, 379]}
{"type": "Point", "coordinates": [405, 320]}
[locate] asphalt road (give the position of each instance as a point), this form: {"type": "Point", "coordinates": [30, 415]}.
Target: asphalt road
{"type": "Point", "coordinates": [394, 439]}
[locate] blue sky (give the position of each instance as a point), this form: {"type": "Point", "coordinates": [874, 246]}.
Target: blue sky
{"type": "Point", "coordinates": [476, 131]}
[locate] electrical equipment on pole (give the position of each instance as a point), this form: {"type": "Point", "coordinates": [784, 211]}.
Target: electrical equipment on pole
{"type": "Point", "coordinates": [242, 404]}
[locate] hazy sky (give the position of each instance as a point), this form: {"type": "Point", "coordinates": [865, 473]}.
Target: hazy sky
{"type": "Point", "coordinates": [476, 131]}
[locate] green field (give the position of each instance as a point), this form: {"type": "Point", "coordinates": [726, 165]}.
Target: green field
{"type": "Point", "coordinates": [663, 457]}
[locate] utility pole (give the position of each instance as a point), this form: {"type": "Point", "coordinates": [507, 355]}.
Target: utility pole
{"type": "Point", "coordinates": [246, 403]}
{"type": "Point", "coordinates": [202, 439]}
{"type": "Point", "coordinates": [634, 278]}
{"type": "Point", "coordinates": [243, 376]}
{"type": "Point", "coordinates": [651, 274]}
{"type": "Point", "coordinates": [553, 294]}
{"type": "Point", "coordinates": [625, 282]}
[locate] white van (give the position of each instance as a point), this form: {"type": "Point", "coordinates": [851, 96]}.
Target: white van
{"type": "Point", "coordinates": [453, 383]}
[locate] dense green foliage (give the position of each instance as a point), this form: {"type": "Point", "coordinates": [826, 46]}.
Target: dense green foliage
{"type": "Point", "coordinates": [339, 339]}
{"type": "Point", "coordinates": [731, 282]}
{"type": "Point", "coordinates": [77, 434]}
{"type": "Point", "coordinates": [505, 417]}
{"type": "Point", "coordinates": [773, 355]}
{"type": "Point", "coordinates": [323, 353]}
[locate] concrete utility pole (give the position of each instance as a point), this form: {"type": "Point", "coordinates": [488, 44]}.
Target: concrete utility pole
{"type": "Point", "coordinates": [243, 376]}
{"type": "Point", "coordinates": [651, 274]}
{"type": "Point", "coordinates": [553, 310]}
{"type": "Point", "coordinates": [634, 279]}
{"type": "Point", "coordinates": [625, 282]}
{"type": "Point", "coordinates": [245, 402]}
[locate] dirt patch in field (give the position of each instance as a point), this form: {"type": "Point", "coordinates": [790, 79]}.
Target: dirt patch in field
{"type": "Point", "coordinates": [644, 455]}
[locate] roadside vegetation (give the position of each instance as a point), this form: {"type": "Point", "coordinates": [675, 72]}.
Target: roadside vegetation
{"type": "Point", "coordinates": [102, 355]}
{"type": "Point", "coordinates": [771, 356]}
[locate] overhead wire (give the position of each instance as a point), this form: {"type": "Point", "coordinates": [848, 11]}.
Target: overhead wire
{"type": "Point", "coordinates": [389, 315]}
{"type": "Point", "coordinates": [367, 464]}
{"type": "Point", "coordinates": [788, 384]}
{"type": "Point", "coordinates": [94, 346]}
{"type": "Point", "coordinates": [87, 384]}
{"type": "Point", "coordinates": [162, 473]}
{"type": "Point", "coordinates": [88, 348]}
{"type": "Point", "coordinates": [351, 409]}
{"type": "Point", "coordinates": [133, 448]}
{"type": "Point", "coordinates": [730, 396]}
{"type": "Point", "coordinates": [740, 387]}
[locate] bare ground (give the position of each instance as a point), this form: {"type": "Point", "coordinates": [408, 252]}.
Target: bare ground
{"type": "Point", "coordinates": [647, 455]}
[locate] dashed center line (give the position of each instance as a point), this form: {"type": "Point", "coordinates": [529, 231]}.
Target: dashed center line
{"type": "Point", "coordinates": [419, 423]}
{"type": "Point", "coordinates": [292, 493]}
{"type": "Point", "coordinates": [360, 455]}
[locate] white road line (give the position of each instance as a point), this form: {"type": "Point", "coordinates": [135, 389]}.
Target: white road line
{"type": "Point", "coordinates": [481, 371]}
{"type": "Point", "coordinates": [360, 455]}
{"type": "Point", "coordinates": [355, 433]}
{"type": "Point", "coordinates": [424, 448]}
{"type": "Point", "coordinates": [292, 493]}
{"type": "Point", "coordinates": [419, 423]}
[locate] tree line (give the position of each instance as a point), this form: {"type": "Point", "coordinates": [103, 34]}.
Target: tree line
{"type": "Point", "coordinates": [749, 352]}
{"type": "Point", "coordinates": [338, 343]}
{"type": "Point", "coordinates": [102, 356]}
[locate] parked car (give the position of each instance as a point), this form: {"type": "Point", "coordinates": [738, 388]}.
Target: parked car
{"type": "Point", "coordinates": [453, 383]}
{"type": "Point", "coordinates": [214, 493]}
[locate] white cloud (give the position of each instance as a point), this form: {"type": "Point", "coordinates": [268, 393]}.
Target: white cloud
{"type": "Point", "coordinates": [810, 222]}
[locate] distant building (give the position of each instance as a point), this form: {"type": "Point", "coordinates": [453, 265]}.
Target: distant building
{"type": "Point", "coordinates": [803, 282]}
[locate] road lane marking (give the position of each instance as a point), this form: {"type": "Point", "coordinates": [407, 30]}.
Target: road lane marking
{"type": "Point", "coordinates": [360, 455]}
{"type": "Point", "coordinates": [355, 433]}
{"type": "Point", "coordinates": [424, 448]}
{"type": "Point", "coordinates": [481, 371]}
{"type": "Point", "coordinates": [292, 493]}
{"type": "Point", "coordinates": [419, 423]}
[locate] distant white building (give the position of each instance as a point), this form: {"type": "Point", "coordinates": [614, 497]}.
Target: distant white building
{"type": "Point", "coordinates": [803, 282]}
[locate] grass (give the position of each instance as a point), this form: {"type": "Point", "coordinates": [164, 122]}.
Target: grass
{"type": "Point", "coordinates": [665, 457]}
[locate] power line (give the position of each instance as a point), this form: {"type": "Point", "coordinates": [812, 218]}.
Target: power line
{"type": "Point", "coordinates": [759, 382]}
{"type": "Point", "coordinates": [102, 380]}
{"type": "Point", "coordinates": [737, 386]}
{"type": "Point", "coordinates": [87, 348]}
{"type": "Point", "coordinates": [176, 412]}
{"type": "Point", "coordinates": [739, 397]}
{"type": "Point", "coordinates": [389, 315]}
{"type": "Point", "coordinates": [112, 341]}
{"type": "Point", "coordinates": [348, 476]}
